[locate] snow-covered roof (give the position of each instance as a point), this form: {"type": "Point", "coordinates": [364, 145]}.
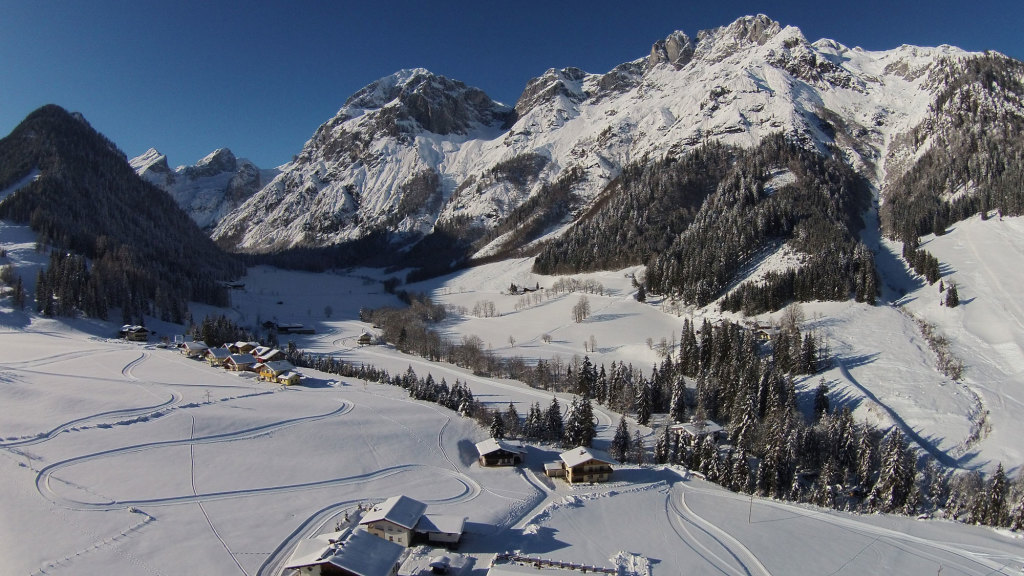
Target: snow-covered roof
{"type": "Point", "coordinates": [279, 366]}
{"type": "Point", "coordinates": [219, 353]}
{"type": "Point", "coordinates": [261, 350]}
{"type": "Point", "coordinates": [441, 524]}
{"type": "Point", "coordinates": [242, 358]}
{"type": "Point", "coordinates": [360, 553]}
{"type": "Point", "coordinates": [196, 345]}
{"type": "Point", "coordinates": [579, 455]}
{"type": "Point", "coordinates": [552, 466]}
{"type": "Point", "coordinates": [400, 510]}
{"type": "Point", "coordinates": [493, 445]}
{"type": "Point", "coordinates": [691, 429]}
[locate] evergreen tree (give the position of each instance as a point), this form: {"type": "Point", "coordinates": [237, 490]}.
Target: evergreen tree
{"type": "Point", "coordinates": [896, 474]}
{"type": "Point", "coordinates": [638, 452]}
{"type": "Point", "coordinates": [996, 509]}
{"type": "Point", "coordinates": [513, 427]}
{"type": "Point", "coordinates": [663, 446]}
{"type": "Point", "coordinates": [498, 426]}
{"type": "Point", "coordinates": [621, 441]}
{"type": "Point", "coordinates": [677, 404]}
{"type": "Point", "coordinates": [952, 296]}
{"type": "Point", "coordinates": [821, 405]}
{"type": "Point", "coordinates": [643, 402]}
{"type": "Point", "coordinates": [553, 423]}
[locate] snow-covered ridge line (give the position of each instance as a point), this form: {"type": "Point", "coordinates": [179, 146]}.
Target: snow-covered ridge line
{"type": "Point", "coordinates": [414, 151]}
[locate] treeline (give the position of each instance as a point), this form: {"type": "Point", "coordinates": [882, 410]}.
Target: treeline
{"type": "Point", "coordinates": [723, 374]}
{"type": "Point", "coordinates": [143, 253]}
{"type": "Point", "coordinates": [975, 159]}
{"type": "Point", "coordinates": [818, 215]}
{"type": "Point", "coordinates": [639, 213]}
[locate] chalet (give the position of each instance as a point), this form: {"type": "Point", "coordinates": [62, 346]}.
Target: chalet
{"type": "Point", "coordinates": [271, 371]}
{"type": "Point", "coordinates": [265, 355]}
{"type": "Point", "coordinates": [289, 378]}
{"type": "Point", "coordinates": [696, 431]}
{"type": "Point", "coordinates": [242, 347]}
{"type": "Point", "coordinates": [134, 333]}
{"type": "Point", "coordinates": [240, 362]}
{"type": "Point", "coordinates": [402, 520]}
{"type": "Point", "coordinates": [294, 329]}
{"type": "Point", "coordinates": [394, 519]}
{"type": "Point", "coordinates": [355, 553]}
{"type": "Point", "coordinates": [194, 349]}
{"type": "Point", "coordinates": [581, 465]}
{"type": "Point", "coordinates": [495, 452]}
{"type": "Point", "coordinates": [440, 529]}
{"type": "Point", "coordinates": [365, 339]}
{"type": "Point", "coordinates": [217, 356]}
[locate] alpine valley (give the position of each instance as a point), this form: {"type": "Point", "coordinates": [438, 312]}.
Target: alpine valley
{"type": "Point", "coordinates": [776, 280]}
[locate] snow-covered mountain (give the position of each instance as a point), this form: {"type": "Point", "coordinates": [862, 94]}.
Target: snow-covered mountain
{"type": "Point", "coordinates": [211, 188]}
{"type": "Point", "coordinates": [415, 152]}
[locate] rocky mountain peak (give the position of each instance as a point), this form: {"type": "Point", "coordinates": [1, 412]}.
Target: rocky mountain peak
{"type": "Point", "coordinates": [150, 161]}
{"type": "Point", "coordinates": [567, 82]}
{"type": "Point", "coordinates": [676, 49]}
{"type": "Point", "coordinates": [217, 162]}
{"type": "Point", "coordinates": [418, 98]}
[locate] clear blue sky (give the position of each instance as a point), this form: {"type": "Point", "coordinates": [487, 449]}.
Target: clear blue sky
{"type": "Point", "coordinates": [258, 77]}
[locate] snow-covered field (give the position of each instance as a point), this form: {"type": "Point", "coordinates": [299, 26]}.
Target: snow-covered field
{"type": "Point", "coordinates": [125, 458]}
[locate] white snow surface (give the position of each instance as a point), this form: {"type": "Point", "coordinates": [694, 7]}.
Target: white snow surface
{"type": "Point", "coordinates": [119, 457]}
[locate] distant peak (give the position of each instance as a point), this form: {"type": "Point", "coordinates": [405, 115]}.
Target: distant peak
{"type": "Point", "coordinates": [151, 160]}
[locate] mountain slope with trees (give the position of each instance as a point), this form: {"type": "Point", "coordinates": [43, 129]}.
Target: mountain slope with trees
{"type": "Point", "coordinates": [141, 252]}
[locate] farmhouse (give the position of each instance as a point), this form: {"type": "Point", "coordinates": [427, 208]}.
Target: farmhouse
{"type": "Point", "coordinates": [264, 354]}
{"type": "Point", "coordinates": [697, 431]}
{"type": "Point", "coordinates": [194, 349]}
{"type": "Point", "coordinates": [271, 371]}
{"type": "Point", "coordinates": [394, 519]}
{"type": "Point", "coordinates": [134, 333]}
{"type": "Point", "coordinates": [289, 378]}
{"type": "Point", "coordinates": [357, 553]}
{"type": "Point", "coordinates": [365, 339]}
{"type": "Point", "coordinates": [239, 362]}
{"type": "Point", "coordinates": [241, 347]}
{"type": "Point", "coordinates": [580, 465]}
{"type": "Point", "coordinates": [495, 452]}
{"type": "Point", "coordinates": [402, 520]}
{"type": "Point", "coordinates": [217, 356]}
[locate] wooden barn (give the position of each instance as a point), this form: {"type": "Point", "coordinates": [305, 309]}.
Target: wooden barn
{"type": "Point", "coordinates": [495, 452]}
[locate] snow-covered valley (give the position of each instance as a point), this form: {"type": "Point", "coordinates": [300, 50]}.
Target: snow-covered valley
{"type": "Point", "coordinates": [122, 457]}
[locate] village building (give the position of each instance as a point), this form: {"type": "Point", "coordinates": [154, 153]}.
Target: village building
{"type": "Point", "coordinates": [217, 356]}
{"type": "Point", "coordinates": [403, 520]}
{"type": "Point", "coordinates": [134, 333]}
{"type": "Point", "coordinates": [580, 465]}
{"type": "Point", "coordinates": [241, 347]}
{"type": "Point", "coordinates": [350, 553]}
{"type": "Point", "coordinates": [394, 519]}
{"type": "Point", "coordinates": [264, 354]}
{"type": "Point", "coordinates": [365, 339]}
{"type": "Point", "coordinates": [194, 349]}
{"type": "Point", "coordinates": [690, 431]}
{"type": "Point", "coordinates": [495, 452]}
{"type": "Point", "coordinates": [289, 378]}
{"type": "Point", "coordinates": [271, 371]}
{"type": "Point", "coordinates": [240, 362]}
{"type": "Point", "coordinates": [440, 529]}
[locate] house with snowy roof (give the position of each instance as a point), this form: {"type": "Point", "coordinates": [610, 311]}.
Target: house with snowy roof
{"type": "Point", "coordinates": [698, 430]}
{"type": "Point", "coordinates": [239, 362]}
{"type": "Point", "coordinates": [394, 519]}
{"type": "Point", "coordinates": [403, 520]}
{"type": "Point", "coordinates": [272, 371]}
{"type": "Point", "coordinates": [217, 356]}
{"type": "Point", "coordinates": [580, 464]}
{"type": "Point", "coordinates": [354, 553]}
{"type": "Point", "coordinates": [494, 452]}
{"type": "Point", "coordinates": [194, 349]}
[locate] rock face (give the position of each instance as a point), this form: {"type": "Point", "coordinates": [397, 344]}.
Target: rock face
{"type": "Point", "coordinates": [415, 153]}
{"type": "Point", "coordinates": [210, 189]}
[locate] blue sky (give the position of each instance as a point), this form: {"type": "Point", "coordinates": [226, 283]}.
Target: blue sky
{"type": "Point", "coordinates": [258, 77]}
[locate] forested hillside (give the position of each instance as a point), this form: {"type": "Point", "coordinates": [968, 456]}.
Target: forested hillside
{"type": "Point", "coordinates": [144, 254]}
